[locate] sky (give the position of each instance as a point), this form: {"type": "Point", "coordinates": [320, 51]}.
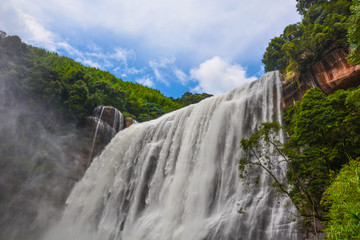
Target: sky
{"type": "Point", "coordinates": [177, 46]}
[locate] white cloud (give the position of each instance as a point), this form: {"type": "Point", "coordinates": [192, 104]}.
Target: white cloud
{"type": "Point", "coordinates": [189, 31]}
{"type": "Point", "coordinates": [217, 76]}
{"type": "Point", "coordinates": [122, 54]}
{"type": "Point", "coordinates": [146, 81]}
{"type": "Point", "coordinates": [30, 25]}
{"type": "Point", "coordinates": [68, 48]}
{"type": "Point", "coordinates": [183, 78]}
{"type": "Point", "coordinates": [37, 32]}
{"type": "Point", "coordinates": [261, 71]}
{"type": "Point", "coordinates": [201, 28]}
{"type": "Point", "coordinates": [160, 68]}
{"type": "Point", "coordinates": [134, 71]}
{"type": "Point", "coordinates": [89, 62]}
{"type": "Point", "coordinates": [105, 59]}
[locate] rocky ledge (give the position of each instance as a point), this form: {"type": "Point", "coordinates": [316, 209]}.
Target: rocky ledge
{"type": "Point", "coordinates": [99, 129]}
{"type": "Point", "coordinates": [331, 73]}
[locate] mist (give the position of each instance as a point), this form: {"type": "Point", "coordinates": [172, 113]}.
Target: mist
{"type": "Point", "coordinates": [39, 161]}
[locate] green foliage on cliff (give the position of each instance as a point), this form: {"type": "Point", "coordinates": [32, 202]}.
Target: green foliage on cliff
{"type": "Point", "coordinates": [354, 33]}
{"type": "Point", "coordinates": [74, 89]}
{"type": "Point", "coordinates": [304, 5]}
{"type": "Point", "coordinates": [191, 98]}
{"type": "Point", "coordinates": [324, 132]}
{"type": "Point", "coordinates": [343, 196]}
{"type": "Point", "coordinates": [324, 26]}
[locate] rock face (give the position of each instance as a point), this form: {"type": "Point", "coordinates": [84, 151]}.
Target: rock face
{"type": "Point", "coordinates": [331, 73]}
{"type": "Point", "coordinates": [128, 122]}
{"type": "Point", "coordinates": [100, 128]}
{"type": "Point", "coordinates": [107, 120]}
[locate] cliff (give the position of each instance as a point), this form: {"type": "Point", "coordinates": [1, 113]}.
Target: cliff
{"type": "Point", "coordinates": [331, 73]}
{"type": "Point", "coordinates": [99, 129]}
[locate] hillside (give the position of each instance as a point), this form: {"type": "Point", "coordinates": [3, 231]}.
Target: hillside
{"type": "Point", "coordinates": [73, 89]}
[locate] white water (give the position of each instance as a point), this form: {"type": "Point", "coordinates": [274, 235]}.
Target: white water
{"type": "Point", "coordinates": [176, 178]}
{"type": "Point", "coordinates": [96, 131]}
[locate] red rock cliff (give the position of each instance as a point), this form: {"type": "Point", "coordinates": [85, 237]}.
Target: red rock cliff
{"type": "Point", "coordinates": [331, 73]}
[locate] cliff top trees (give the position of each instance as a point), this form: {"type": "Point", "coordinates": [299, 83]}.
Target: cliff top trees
{"type": "Point", "coordinates": [324, 26]}
{"type": "Point", "coordinates": [354, 33]}
{"type": "Point", "coordinates": [304, 5]}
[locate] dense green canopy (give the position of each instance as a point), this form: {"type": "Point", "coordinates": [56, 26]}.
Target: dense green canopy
{"type": "Point", "coordinates": [325, 25]}
{"type": "Point", "coordinates": [74, 90]}
{"type": "Point", "coordinates": [354, 33]}
{"type": "Point", "coordinates": [324, 134]}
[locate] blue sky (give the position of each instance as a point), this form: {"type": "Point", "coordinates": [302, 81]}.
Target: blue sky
{"type": "Point", "coordinates": [175, 46]}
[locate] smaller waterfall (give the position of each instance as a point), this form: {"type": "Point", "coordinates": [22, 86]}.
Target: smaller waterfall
{"type": "Point", "coordinates": [119, 121]}
{"type": "Point", "coordinates": [107, 121]}
{"type": "Point", "coordinates": [96, 131]}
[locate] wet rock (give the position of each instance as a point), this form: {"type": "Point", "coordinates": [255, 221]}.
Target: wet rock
{"type": "Point", "coordinates": [99, 129]}
{"type": "Point", "coordinates": [129, 121]}
{"type": "Point", "coordinates": [105, 121]}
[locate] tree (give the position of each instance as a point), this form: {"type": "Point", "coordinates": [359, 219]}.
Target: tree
{"type": "Point", "coordinates": [353, 34]}
{"type": "Point", "coordinates": [322, 28]}
{"type": "Point", "coordinates": [263, 149]}
{"type": "Point", "coordinates": [314, 120]}
{"type": "Point", "coordinates": [323, 132]}
{"type": "Point", "coordinates": [304, 5]}
{"type": "Point", "coordinates": [77, 101]}
{"type": "Point", "coordinates": [274, 57]}
{"type": "Point", "coordinates": [343, 199]}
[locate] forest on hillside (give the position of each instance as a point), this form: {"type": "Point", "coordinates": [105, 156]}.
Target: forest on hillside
{"type": "Point", "coordinates": [74, 90]}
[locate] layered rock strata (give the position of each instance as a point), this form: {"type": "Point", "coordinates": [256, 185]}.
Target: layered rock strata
{"type": "Point", "coordinates": [331, 73]}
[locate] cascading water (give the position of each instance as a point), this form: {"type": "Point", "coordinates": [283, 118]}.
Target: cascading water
{"type": "Point", "coordinates": [96, 131]}
{"type": "Point", "coordinates": [176, 177]}
{"type": "Point", "coordinates": [107, 121]}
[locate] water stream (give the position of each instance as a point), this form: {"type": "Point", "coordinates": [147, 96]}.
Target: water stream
{"type": "Point", "coordinates": [176, 177]}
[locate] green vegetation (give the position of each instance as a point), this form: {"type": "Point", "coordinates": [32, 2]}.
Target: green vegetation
{"type": "Point", "coordinates": [354, 33]}
{"type": "Point", "coordinates": [324, 132]}
{"type": "Point", "coordinates": [325, 25]}
{"type": "Point", "coordinates": [343, 197]}
{"type": "Point", "coordinates": [190, 98]}
{"type": "Point", "coordinates": [74, 90]}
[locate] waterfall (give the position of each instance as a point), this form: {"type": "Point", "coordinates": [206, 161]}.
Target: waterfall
{"type": "Point", "coordinates": [96, 131]}
{"type": "Point", "coordinates": [107, 121]}
{"type": "Point", "coordinates": [176, 177]}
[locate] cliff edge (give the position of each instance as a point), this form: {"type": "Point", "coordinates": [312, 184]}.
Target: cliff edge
{"type": "Point", "coordinates": [331, 73]}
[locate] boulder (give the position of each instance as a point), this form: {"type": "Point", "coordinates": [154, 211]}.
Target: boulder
{"type": "Point", "coordinates": [99, 129]}
{"type": "Point", "coordinates": [129, 121]}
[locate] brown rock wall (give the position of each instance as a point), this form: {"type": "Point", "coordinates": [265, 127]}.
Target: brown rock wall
{"type": "Point", "coordinates": [331, 73]}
